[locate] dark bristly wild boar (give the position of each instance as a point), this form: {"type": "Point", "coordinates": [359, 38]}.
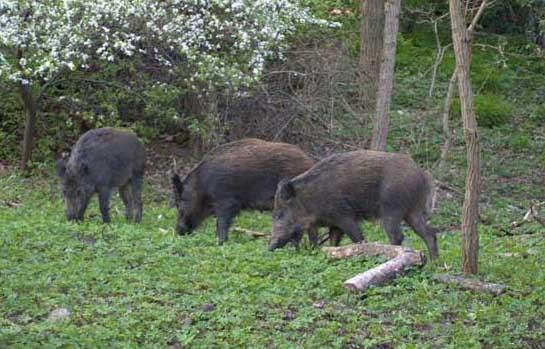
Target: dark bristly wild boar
{"type": "Point", "coordinates": [236, 176]}
{"type": "Point", "coordinates": [102, 159]}
{"type": "Point", "coordinates": [343, 189]}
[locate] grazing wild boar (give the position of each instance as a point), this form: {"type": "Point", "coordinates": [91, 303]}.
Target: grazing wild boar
{"type": "Point", "coordinates": [241, 175]}
{"type": "Point", "coordinates": [342, 189]}
{"type": "Point", "coordinates": [102, 159]}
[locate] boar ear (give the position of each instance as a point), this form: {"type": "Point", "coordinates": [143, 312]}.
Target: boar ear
{"type": "Point", "coordinates": [287, 190]}
{"type": "Point", "coordinates": [177, 186]}
{"type": "Point", "coordinates": [60, 166]}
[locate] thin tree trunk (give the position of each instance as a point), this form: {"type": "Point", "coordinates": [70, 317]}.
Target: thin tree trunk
{"type": "Point", "coordinates": [386, 79]}
{"type": "Point", "coordinates": [30, 110]}
{"type": "Point", "coordinates": [470, 209]}
{"type": "Point", "coordinates": [30, 125]}
{"type": "Point", "coordinates": [447, 136]}
{"type": "Point", "coordinates": [371, 35]}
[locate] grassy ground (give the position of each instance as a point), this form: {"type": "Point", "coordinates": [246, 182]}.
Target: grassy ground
{"type": "Point", "coordinates": [134, 286]}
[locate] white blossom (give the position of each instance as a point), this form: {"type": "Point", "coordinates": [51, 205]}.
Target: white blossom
{"type": "Point", "coordinates": [218, 42]}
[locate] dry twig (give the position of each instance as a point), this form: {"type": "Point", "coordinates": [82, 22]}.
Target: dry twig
{"type": "Point", "coordinates": [249, 232]}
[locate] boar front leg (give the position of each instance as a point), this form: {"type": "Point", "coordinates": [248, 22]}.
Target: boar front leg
{"type": "Point", "coordinates": [104, 203]}
{"type": "Point", "coordinates": [313, 236]}
{"type": "Point", "coordinates": [225, 212]}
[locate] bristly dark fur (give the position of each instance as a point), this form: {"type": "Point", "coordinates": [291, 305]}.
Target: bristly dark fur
{"type": "Point", "coordinates": [342, 189]}
{"type": "Point", "coordinates": [101, 160]}
{"type": "Point", "coordinates": [236, 176]}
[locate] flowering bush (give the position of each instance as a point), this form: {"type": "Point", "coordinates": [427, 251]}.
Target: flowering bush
{"type": "Point", "coordinates": [214, 43]}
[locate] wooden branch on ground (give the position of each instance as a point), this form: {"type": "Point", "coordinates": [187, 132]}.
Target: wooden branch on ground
{"type": "Point", "coordinates": [445, 186]}
{"type": "Point", "coordinates": [400, 258]}
{"type": "Point", "coordinates": [253, 233]}
{"type": "Point", "coordinates": [530, 214]}
{"type": "Point", "coordinates": [472, 284]}
{"type": "Point", "coordinates": [323, 239]}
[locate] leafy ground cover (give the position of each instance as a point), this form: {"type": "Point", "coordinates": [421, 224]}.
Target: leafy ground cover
{"type": "Point", "coordinates": [134, 286]}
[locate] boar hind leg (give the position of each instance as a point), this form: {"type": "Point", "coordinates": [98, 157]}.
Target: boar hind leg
{"type": "Point", "coordinates": [335, 236]}
{"type": "Point", "coordinates": [427, 233]}
{"type": "Point", "coordinates": [126, 195]}
{"type": "Point", "coordinates": [225, 212]}
{"type": "Point", "coordinates": [136, 188]}
{"type": "Point", "coordinates": [104, 203]}
{"type": "Point", "coordinates": [393, 229]}
{"type": "Point", "coordinates": [351, 227]}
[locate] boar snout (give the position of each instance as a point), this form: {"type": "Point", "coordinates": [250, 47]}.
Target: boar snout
{"type": "Point", "coordinates": [281, 240]}
{"type": "Point", "coordinates": [183, 229]}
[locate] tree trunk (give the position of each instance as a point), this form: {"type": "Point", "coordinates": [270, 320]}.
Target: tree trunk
{"type": "Point", "coordinates": [30, 124]}
{"type": "Point", "coordinates": [450, 92]}
{"type": "Point", "coordinates": [371, 35]}
{"type": "Point", "coordinates": [470, 209]}
{"type": "Point", "coordinates": [386, 78]}
{"type": "Point", "coordinates": [447, 136]}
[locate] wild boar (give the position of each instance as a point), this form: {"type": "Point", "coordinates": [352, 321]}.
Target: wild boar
{"type": "Point", "coordinates": [241, 175]}
{"type": "Point", "coordinates": [343, 189]}
{"type": "Point", "coordinates": [100, 160]}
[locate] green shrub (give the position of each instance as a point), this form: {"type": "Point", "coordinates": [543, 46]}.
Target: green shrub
{"type": "Point", "coordinates": [491, 110]}
{"type": "Point", "coordinates": [520, 142]}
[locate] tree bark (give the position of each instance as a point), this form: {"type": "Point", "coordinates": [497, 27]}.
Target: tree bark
{"type": "Point", "coordinates": [447, 136]}
{"type": "Point", "coordinates": [29, 103]}
{"type": "Point", "coordinates": [371, 36]}
{"type": "Point", "coordinates": [386, 76]}
{"type": "Point", "coordinates": [470, 209]}
{"type": "Point", "coordinates": [400, 258]}
{"type": "Point", "coordinates": [30, 125]}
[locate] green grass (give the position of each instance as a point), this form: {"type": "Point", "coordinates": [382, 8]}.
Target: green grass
{"type": "Point", "coordinates": [141, 286]}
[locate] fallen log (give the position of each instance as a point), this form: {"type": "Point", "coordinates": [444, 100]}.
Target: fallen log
{"type": "Point", "coordinates": [472, 284]}
{"type": "Point", "coordinates": [249, 232]}
{"type": "Point", "coordinates": [399, 259]}
{"type": "Point", "coordinates": [531, 214]}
